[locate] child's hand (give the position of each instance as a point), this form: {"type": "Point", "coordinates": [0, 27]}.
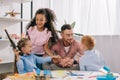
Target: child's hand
{"type": "Point", "coordinates": [56, 59]}
{"type": "Point", "coordinates": [16, 52]}
{"type": "Point", "coordinates": [17, 56]}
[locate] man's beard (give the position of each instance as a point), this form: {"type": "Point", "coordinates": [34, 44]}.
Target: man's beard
{"type": "Point", "coordinates": [69, 42]}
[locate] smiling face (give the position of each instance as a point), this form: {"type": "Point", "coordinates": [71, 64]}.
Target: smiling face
{"type": "Point", "coordinates": [40, 21]}
{"type": "Point", "coordinates": [67, 36]}
{"type": "Point", "coordinates": [27, 48]}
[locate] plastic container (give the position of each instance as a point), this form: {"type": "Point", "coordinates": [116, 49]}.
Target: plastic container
{"type": "Point", "coordinates": [47, 74]}
{"type": "Point", "coordinates": [106, 78]}
{"type": "Point", "coordinates": [38, 71]}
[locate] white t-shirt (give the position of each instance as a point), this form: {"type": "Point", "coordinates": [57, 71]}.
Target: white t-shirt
{"type": "Point", "coordinates": [67, 48]}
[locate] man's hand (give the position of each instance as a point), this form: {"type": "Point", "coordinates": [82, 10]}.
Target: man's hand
{"type": "Point", "coordinates": [70, 62]}
{"type": "Point", "coordinates": [66, 62]}
{"type": "Point", "coordinates": [63, 62]}
{"type": "Point", "coordinates": [56, 59]}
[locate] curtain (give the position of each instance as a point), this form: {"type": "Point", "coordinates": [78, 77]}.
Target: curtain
{"type": "Point", "coordinates": [96, 17]}
{"type": "Point", "coordinates": [117, 28]}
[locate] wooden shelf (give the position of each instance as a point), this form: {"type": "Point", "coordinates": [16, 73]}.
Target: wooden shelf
{"type": "Point", "coordinates": [6, 52]}
{"type": "Point", "coordinates": [6, 61]}
{"type": "Point", "coordinates": [12, 19]}
{"type": "Point", "coordinates": [4, 41]}
{"type": "Point", "coordinates": [16, 1]}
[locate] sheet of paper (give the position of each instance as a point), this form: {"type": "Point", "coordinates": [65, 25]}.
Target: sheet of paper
{"type": "Point", "coordinates": [59, 73]}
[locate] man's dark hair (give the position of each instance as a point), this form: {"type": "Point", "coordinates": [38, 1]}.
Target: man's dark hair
{"type": "Point", "coordinates": [66, 26]}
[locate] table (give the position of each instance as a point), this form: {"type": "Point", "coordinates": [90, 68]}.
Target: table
{"type": "Point", "coordinates": [83, 75]}
{"type": "Point", "coordinates": [66, 75]}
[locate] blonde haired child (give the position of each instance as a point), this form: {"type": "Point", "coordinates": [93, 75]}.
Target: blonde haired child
{"type": "Point", "coordinates": [26, 62]}
{"type": "Point", "coordinates": [92, 60]}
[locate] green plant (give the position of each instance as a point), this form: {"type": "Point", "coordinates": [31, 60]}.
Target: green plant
{"type": "Point", "coordinates": [72, 25]}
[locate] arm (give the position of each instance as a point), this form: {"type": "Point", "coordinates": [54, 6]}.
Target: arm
{"type": "Point", "coordinates": [17, 56]}
{"type": "Point", "coordinates": [42, 59]}
{"type": "Point", "coordinates": [80, 49]}
{"type": "Point", "coordinates": [47, 50]}
{"type": "Point", "coordinates": [19, 62]}
{"type": "Point", "coordinates": [20, 66]}
{"type": "Point", "coordinates": [46, 45]}
{"type": "Point", "coordinates": [54, 59]}
{"type": "Point", "coordinates": [79, 52]}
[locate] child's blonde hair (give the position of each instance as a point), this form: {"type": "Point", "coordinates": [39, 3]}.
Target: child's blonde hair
{"type": "Point", "coordinates": [88, 41]}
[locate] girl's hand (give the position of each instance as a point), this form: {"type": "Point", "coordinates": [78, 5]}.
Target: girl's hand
{"type": "Point", "coordinates": [56, 59]}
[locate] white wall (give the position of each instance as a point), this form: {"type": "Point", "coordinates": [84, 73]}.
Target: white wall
{"type": "Point", "coordinates": [109, 46]}
{"type": "Point", "coordinates": [10, 25]}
